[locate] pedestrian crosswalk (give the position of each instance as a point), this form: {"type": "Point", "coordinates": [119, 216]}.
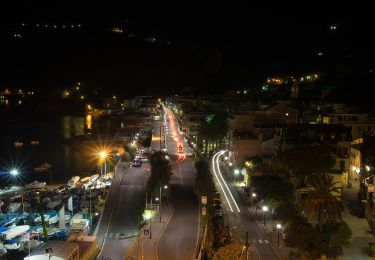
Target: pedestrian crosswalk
{"type": "Point", "coordinates": [260, 241]}
{"type": "Point", "coordinates": [121, 235]}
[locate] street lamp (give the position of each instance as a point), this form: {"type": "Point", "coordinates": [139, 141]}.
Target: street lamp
{"type": "Point", "coordinates": [103, 155]}
{"type": "Point", "coordinates": [278, 226]}
{"type": "Point", "coordinates": [264, 209]}
{"type": "Point", "coordinates": [253, 196]}
{"type": "Point", "coordinates": [14, 172]}
{"type": "Point", "coordinates": [148, 216]}
{"type": "Point", "coordinates": [236, 171]}
{"type": "Point", "coordinates": [165, 187]}
{"type": "Point", "coordinates": [49, 252]}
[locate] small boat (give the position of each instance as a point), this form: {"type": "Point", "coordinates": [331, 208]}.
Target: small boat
{"type": "Point", "coordinates": [94, 177]}
{"type": "Point", "coordinates": [15, 231]}
{"type": "Point", "coordinates": [68, 217]}
{"type": "Point", "coordinates": [73, 181]}
{"type": "Point", "coordinates": [35, 185]}
{"type": "Point", "coordinates": [40, 169]}
{"type": "Point", "coordinates": [18, 144]}
{"type": "Point", "coordinates": [46, 165]}
{"type": "Point", "coordinates": [13, 207]}
{"type": "Point", "coordinates": [86, 179]}
{"type": "Point", "coordinates": [12, 244]}
{"type": "Point", "coordinates": [107, 177]}
{"type": "Point", "coordinates": [54, 203]}
{"type": "Point", "coordinates": [52, 231]}
{"type": "Point", "coordinates": [38, 219]}
{"type": "Point", "coordinates": [53, 219]}
{"type": "Point", "coordinates": [34, 142]}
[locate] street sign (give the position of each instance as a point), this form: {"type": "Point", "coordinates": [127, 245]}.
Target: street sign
{"type": "Point", "coordinates": [204, 200]}
{"type": "Point", "coordinates": [204, 211]}
{"type": "Point", "coordinates": [146, 232]}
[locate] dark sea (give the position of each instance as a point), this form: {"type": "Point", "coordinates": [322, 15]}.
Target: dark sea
{"type": "Point", "coordinates": [61, 144]}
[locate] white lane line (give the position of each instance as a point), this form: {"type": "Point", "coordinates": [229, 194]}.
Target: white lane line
{"type": "Point", "coordinates": [217, 178]}
{"type": "Point", "coordinates": [230, 193]}
{"type": "Point", "coordinates": [266, 241]}
{"type": "Point", "coordinates": [260, 241]}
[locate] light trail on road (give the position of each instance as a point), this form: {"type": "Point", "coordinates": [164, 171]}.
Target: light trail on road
{"type": "Point", "coordinates": [217, 178]}
{"type": "Point", "coordinates": [222, 182]}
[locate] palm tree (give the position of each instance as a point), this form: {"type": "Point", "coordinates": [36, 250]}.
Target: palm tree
{"type": "Point", "coordinates": [323, 204]}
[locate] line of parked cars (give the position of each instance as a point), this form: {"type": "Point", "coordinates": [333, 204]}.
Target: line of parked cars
{"type": "Point", "coordinates": [142, 156]}
{"type": "Point", "coordinates": [218, 213]}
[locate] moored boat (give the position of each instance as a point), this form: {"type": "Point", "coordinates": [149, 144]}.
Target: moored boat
{"type": "Point", "coordinates": [18, 144]}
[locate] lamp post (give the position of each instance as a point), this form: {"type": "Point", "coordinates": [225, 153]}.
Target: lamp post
{"type": "Point", "coordinates": [148, 216]}
{"type": "Point", "coordinates": [253, 196]}
{"type": "Point", "coordinates": [165, 187]}
{"type": "Point", "coordinates": [103, 156]}
{"type": "Point", "coordinates": [265, 209]}
{"type": "Point", "coordinates": [278, 227]}
{"type": "Point", "coordinates": [49, 253]}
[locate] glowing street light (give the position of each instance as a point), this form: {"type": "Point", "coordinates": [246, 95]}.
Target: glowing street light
{"type": "Point", "coordinates": [147, 215]}
{"type": "Point", "coordinates": [236, 171]}
{"type": "Point", "coordinates": [278, 227]}
{"type": "Point", "coordinates": [103, 155]}
{"type": "Point", "coordinates": [14, 172]}
{"type": "Point", "coordinates": [164, 187]}
{"type": "Point", "coordinates": [264, 209]}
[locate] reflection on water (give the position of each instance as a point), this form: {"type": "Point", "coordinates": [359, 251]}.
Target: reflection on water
{"type": "Point", "coordinates": [89, 122]}
{"type": "Point", "coordinates": [56, 147]}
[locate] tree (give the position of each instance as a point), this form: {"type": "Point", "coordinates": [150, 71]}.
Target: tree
{"type": "Point", "coordinates": [323, 204]}
{"type": "Point", "coordinates": [233, 251]}
{"type": "Point", "coordinates": [160, 170]}
{"type": "Point", "coordinates": [304, 161]}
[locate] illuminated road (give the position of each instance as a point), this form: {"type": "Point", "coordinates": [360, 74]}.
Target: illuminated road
{"type": "Point", "coordinates": [179, 238]}
{"type": "Point", "coordinates": [119, 223]}
{"type": "Point", "coordinates": [236, 214]}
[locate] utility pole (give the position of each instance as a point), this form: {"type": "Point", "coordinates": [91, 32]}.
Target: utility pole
{"type": "Point", "coordinates": [246, 245]}
{"type": "Point", "coordinates": [160, 203]}
{"type": "Point", "coordinates": [160, 137]}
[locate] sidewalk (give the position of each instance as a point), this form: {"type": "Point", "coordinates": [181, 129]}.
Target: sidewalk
{"type": "Point", "coordinates": [361, 230]}
{"type": "Point", "coordinates": [145, 248]}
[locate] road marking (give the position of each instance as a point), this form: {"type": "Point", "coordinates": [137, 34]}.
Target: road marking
{"type": "Point", "coordinates": [110, 235]}
{"type": "Point", "coordinates": [266, 241]}
{"type": "Point", "coordinates": [161, 233]}
{"type": "Point", "coordinates": [117, 235]}
{"type": "Point", "coordinates": [260, 241]}
{"type": "Point", "coordinates": [110, 217]}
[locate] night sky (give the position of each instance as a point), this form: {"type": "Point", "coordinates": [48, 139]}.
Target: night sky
{"type": "Point", "coordinates": [205, 49]}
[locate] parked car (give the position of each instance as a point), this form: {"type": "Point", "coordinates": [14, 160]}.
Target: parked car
{"type": "Point", "coordinates": [137, 163]}
{"type": "Point", "coordinates": [144, 159]}
{"type": "Point", "coordinates": [218, 213]}
{"type": "Point", "coordinates": [217, 202]}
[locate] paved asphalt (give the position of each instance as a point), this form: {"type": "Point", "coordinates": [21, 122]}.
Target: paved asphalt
{"type": "Point", "coordinates": [178, 241]}
{"type": "Point", "coordinates": [127, 193]}
{"type": "Point", "coordinates": [241, 221]}
{"type": "Point", "coordinates": [119, 222]}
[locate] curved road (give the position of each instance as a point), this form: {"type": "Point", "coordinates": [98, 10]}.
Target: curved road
{"type": "Point", "coordinates": [178, 241]}
{"type": "Point", "coordinates": [238, 215]}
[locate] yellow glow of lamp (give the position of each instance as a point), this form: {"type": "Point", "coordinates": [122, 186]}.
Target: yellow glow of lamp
{"type": "Point", "coordinates": [103, 154]}
{"type": "Point", "coordinates": [148, 214]}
